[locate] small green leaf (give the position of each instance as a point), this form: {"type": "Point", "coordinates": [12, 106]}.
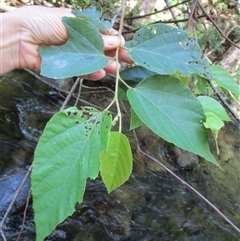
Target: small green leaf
{"type": "Point", "coordinates": [164, 49]}
{"type": "Point", "coordinates": [66, 155]}
{"type": "Point", "coordinates": [200, 86]}
{"type": "Point", "coordinates": [170, 110]}
{"type": "Point", "coordinates": [81, 55]}
{"type": "Point", "coordinates": [116, 161]}
{"type": "Point", "coordinates": [214, 123]}
{"type": "Point", "coordinates": [210, 105]}
{"type": "Point", "coordinates": [214, 113]}
{"type": "Point", "coordinates": [93, 14]}
{"type": "Point", "coordinates": [224, 79]}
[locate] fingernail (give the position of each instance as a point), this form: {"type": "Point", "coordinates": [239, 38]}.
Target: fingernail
{"type": "Point", "coordinates": [113, 40]}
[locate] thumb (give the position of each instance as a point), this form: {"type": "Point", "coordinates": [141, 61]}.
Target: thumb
{"type": "Point", "coordinates": [112, 42]}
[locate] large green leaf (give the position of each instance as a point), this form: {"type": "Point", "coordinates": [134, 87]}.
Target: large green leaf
{"type": "Point", "coordinates": [132, 76]}
{"type": "Point", "coordinates": [170, 110]}
{"type": "Point", "coordinates": [93, 14]}
{"type": "Point", "coordinates": [116, 161]}
{"type": "Point", "coordinates": [224, 79]}
{"type": "Point", "coordinates": [82, 54]}
{"type": "Point", "coordinates": [66, 155]}
{"type": "Point", "coordinates": [135, 122]}
{"type": "Point", "coordinates": [164, 49]}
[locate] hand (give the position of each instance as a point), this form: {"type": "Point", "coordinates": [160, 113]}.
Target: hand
{"type": "Point", "coordinates": [43, 26]}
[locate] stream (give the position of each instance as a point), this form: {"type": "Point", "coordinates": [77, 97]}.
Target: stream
{"type": "Point", "coordinates": [151, 206]}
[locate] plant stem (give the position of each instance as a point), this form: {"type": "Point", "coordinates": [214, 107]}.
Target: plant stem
{"type": "Point", "coordinates": [119, 114]}
{"type": "Point", "coordinates": [128, 86]}
{"type": "Point", "coordinates": [112, 102]}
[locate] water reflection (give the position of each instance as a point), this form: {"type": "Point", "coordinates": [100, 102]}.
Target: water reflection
{"type": "Point", "coordinates": [151, 206]}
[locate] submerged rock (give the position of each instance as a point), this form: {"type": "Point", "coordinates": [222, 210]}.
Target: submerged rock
{"type": "Point", "coordinates": [184, 160]}
{"type": "Point", "coordinates": [9, 183]}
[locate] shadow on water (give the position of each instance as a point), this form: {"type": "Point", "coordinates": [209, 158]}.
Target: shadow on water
{"type": "Point", "coordinates": [151, 206]}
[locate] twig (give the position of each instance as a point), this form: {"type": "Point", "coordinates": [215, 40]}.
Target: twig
{"type": "Point", "coordinates": [70, 93]}
{"type": "Point", "coordinates": [13, 200]}
{"type": "Point", "coordinates": [173, 14]}
{"type": "Point", "coordinates": [79, 92]}
{"type": "Point", "coordinates": [167, 21]}
{"type": "Point", "coordinates": [24, 215]}
{"type": "Point", "coordinates": [186, 184]}
{"type": "Point", "coordinates": [223, 101]}
{"type": "Point", "coordinates": [116, 15]}
{"type": "Point", "coordinates": [45, 81]}
{"type": "Point", "coordinates": [122, 18]}
{"type": "Point", "coordinates": [58, 89]}
{"type": "Point", "coordinates": [216, 26]}
{"type": "Point", "coordinates": [156, 12]}
{"type": "Point", "coordinates": [191, 13]}
{"type": "Point", "coordinates": [223, 40]}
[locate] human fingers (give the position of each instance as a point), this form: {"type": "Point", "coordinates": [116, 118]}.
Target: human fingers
{"type": "Point", "coordinates": [95, 76]}
{"type": "Point", "coordinates": [122, 55]}
{"type": "Point", "coordinates": [112, 40]}
{"type": "Point", "coordinates": [111, 68]}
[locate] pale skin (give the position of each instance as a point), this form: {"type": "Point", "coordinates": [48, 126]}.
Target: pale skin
{"type": "Point", "coordinates": [23, 30]}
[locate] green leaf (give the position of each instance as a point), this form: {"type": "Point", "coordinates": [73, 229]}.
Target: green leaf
{"type": "Point", "coordinates": [93, 14]}
{"type": "Point", "coordinates": [170, 110]}
{"type": "Point", "coordinates": [164, 49]}
{"type": "Point", "coordinates": [200, 86]}
{"type": "Point", "coordinates": [81, 55]}
{"type": "Point", "coordinates": [183, 79]}
{"type": "Point", "coordinates": [121, 94]}
{"type": "Point", "coordinates": [132, 76]}
{"type": "Point", "coordinates": [214, 123]}
{"type": "Point", "coordinates": [66, 155]}
{"type": "Point", "coordinates": [224, 79]}
{"type": "Point", "coordinates": [214, 113]}
{"type": "Point", "coordinates": [135, 121]}
{"type": "Point", "coordinates": [210, 105]}
{"type": "Point", "coordinates": [116, 161]}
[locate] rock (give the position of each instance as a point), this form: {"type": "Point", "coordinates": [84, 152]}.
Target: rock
{"type": "Point", "coordinates": [9, 183]}
{"type": "Point", "coordinates": [185, 160]}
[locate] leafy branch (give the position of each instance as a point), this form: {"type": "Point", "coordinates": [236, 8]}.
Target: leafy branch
{"type": "Point", "coordinates": [77, 144]}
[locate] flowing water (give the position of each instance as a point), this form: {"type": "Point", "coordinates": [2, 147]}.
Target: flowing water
{"type": "Point", "coordinates": [151, 206]}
